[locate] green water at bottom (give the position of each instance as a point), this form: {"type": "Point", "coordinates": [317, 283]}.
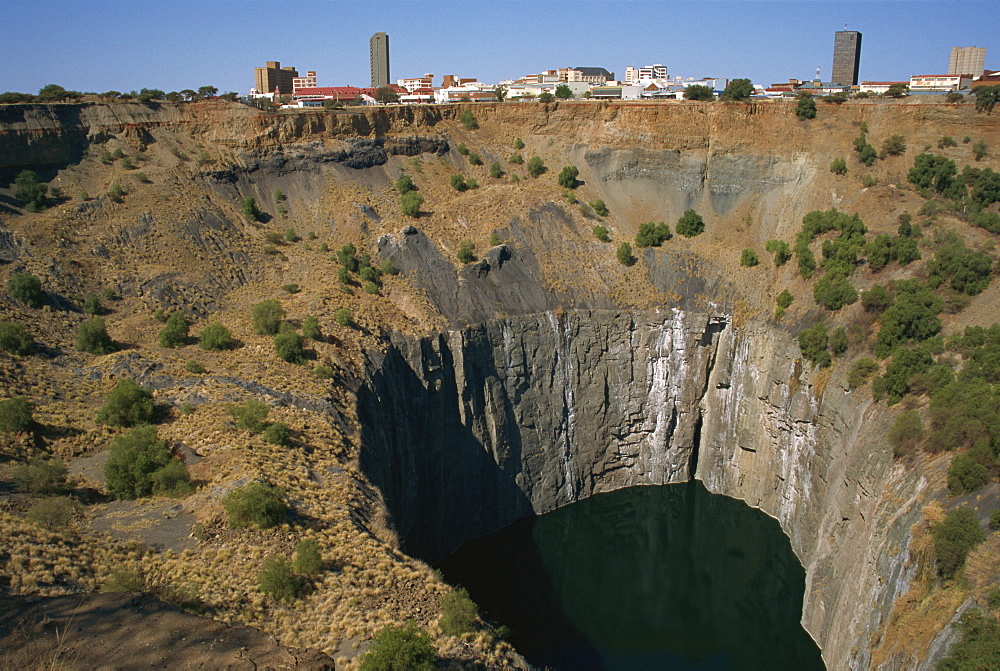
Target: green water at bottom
{"type": "Point", "coordinates": [665, 577]}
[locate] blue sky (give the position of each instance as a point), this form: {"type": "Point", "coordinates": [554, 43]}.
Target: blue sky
{"type": "Point", "coordinates": [98, 45]}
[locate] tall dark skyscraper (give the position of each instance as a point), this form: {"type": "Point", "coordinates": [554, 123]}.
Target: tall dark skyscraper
{"type": "Point", "coordinates": [846, 57]}
{"type": "Point", "coordinates": [379, 47]}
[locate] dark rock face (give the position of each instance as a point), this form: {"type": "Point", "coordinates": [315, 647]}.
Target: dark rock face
{"type": "Point", "coordinates": [527, 414]}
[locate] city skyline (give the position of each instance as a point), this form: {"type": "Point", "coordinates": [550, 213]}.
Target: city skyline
{"type": "Point", "coordinates": [204, 43]}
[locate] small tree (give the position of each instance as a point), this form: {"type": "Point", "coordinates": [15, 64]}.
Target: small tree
{"type": "Point", "coordinates": [458, 613]}
{"type": "Point", "coordinates": [266, 317]}
{"type": "Point", "coordinates": [404, 184]}
{"type": "Point", "coordinates": [813, 342]}
{"type": "Point", "coordinates": [516, 159]}
{"type": "Point", "coordinates": [954, 538]}
{"type": "Point", "coordinates": [410, 204]}
{"type": "Point", "coordinates": [15, 339]}
{"type": "Point", "coordinates": [92, 337]}
{"type": "Point", "coordinates": [624, 254]}
{"type": "Point", "coordinates": [838, 166]}
{"type": "Point", "coordinates": [567, 177]}
{"type": "Point", "coordinates": [216, 337]}
{"type": "Point", "coordinates": [545, 97]}
{"type": "Point", "coordinates": [563, 92]}
{"type": "Point", "coordinates": [386, 95]}
{"type": "Point", "coordinates": [397, 648]}
{"type": "Point", "coordinates": [699, 92]}
{"type": "Point", "coordinates": [599, 207]}
{"type": "Point", "coordinates": [288, 345]}
{"type": "Point", "coordinates": [907, 430]}
{"type": "Point", "coordinates": [255, 505]}
{"type": "Point", "coordinates": [465, 251]}
{"type": "Point", "coordinates": [16, 415]}
{"type": "Point", "coordinates": [601, 233]}
{"type": "Point", "coordinates": [27, 289]}
{"type": "Point", "coordinates": [29, 191]}
{"type": "Point", "coordinates": [250, 416]}
{"type": "Point", "coordinates": [781, 251]}
{"type": "Point", "coordinates": [52, 513]}
{"type": "Point", "coordinates": [291, 235]}
{"type": "Point", "coordinates": [468, 119]}
{"type": "Point", "coordinates": [738, 90]}
{"type": "Point", "coordinates": [308, 560]}
{"type": "Point", "coordinates": [343, 316]}
{"type": "Point", "coordinates": [986, 98]}
{"type": "Point", "coordinates": [175, 333]}
{"type": "Point", "coordinates": [495, 171]}
{"type": "Point", "coordinates": [979, 150]}
{"type": "Point", "coordinates": [690, 224]}
{"type": "Point", "coordinates": [458, 183]}
{"type": "Point", "coordinates": [277, 580]}
{"type": "Point", "coordinates": [311, 329]}
{"type": "Point", "coordinates": [535, 166]}
{"type": "Point", "coordinates": [749, 258]}
{"type": "Point", "coordinates": [41, 476]}
{"type": "Point", "coordinates": [250, 209]}
{"type": "Point", "coordinates": [139, 464]}
{"type": "Point", "coordinates": [518, 143]}
{"type": "Point", "coordinates": [127, 404]}
{"type": "Point", "coordinates": [894, 145]}
{"type": "Point", "coordinates": [278, 433]}
{"type": "Point", "coordinates": [805, 108]}
{"type": "Point", "coordinates": [897, 90]}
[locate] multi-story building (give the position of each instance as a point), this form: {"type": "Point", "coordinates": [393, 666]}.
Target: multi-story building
{"type": "Point", "coordinates": [309, 81]}
{"type": "Point", "coordinates": [272, 76]}
{"type": "Point", "coordinates": [378, 48]}
{"type": "Point", "coordinates": [412, 85]}
{"type": "Point", "coordinates": [846, 57]}
{"type": "Point", "coordinates": [650, 72]}
{"type": "Point", "coordinates": [598, 76]}
{"type": "Point", "coordinates": [936, 83]}
{"type": "Point", "coordinates": [967, 60]}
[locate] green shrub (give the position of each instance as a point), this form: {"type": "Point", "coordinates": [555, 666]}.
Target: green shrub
{"type": "Point", "coordinates": [946, 141]}
{"type": "Point", "coordinates": [290, 288]}
{"type": "Point", "coordinates": [468, 120]}
{"type": "Point", "coordinates": [255, 505]}
{"type": "Point", "coordinates": [116, 193]}
{"type": "Point", "coordinates": [861, 371]}
{"type": "Point", "coordinates": [458, 613]}
{"type": "Point", "coordinates": [26, 289]}
{"type": "Point", "coordinates": [16, 415]}
{"type": "Point", "coordinates": [308, 561]}
{"type": "Point", "coordinates": [139, 464]}
{"type": "Point", "coordinates": [601, 233]}
{"type": "Point", "coordinates": [954, 538]}
{"type": "Point", "coordinates": [780, 250]}
{"type": "Point", "coordinates": [465, 251]}
{"type": "Point", "coordinates": [834, 293]}
{"type": "Point", "coordinates": [127, 404]}
{"type": "Point", "coordinates": [838, 166]}
{"type": "Point", "coordinates": [343, 316]}
{"type": "Point", "coordinates": [291, 235]}
{"type": "Point", "coordinates": [250, 416]}
{"type": "Point", "coordinates": [398, 648]}
{"type": "Point", "coordinates": [410, 204]}
{"type": "Point", "coordinates": [52, 513]}
{"type": "Point", "coordinates": [187, 409]}
{"type": "Point", "coordinates": [805, 108]}
{"type": "Point", "coordinates": [404, 184]}
{"type": "Point", "coordinates": [838, 341]}
{"type": "Point", "coordinates": [495, 171]}
{"type": "Point", "coordinates": [92, 305]}
{"type": "Point", "coordinates": [311, 329]}
{"type": "Point", "coordinates": [979, 150]}
{"type": "Point", "coordinates": [15, 339]}
{"type": "Point", "coordinates": [784, 299]}
{"type": "Point", "coordinates": [216, 337]}
{"type": "Point", "coordinates": [41, 476]}
{"type": "Point", "coordinates": [907, 430]}
{"type": "Point", "coordinates": [323, 372]}
{"type": "Point", "coordinates": [567, 177]}
{"type": "Point", "coordinates": [518, 143]}
{"type": "Point", "coordinates": [458, 183]}
{"type": "Point", "coordinates": [966, 475]}
{"type": "Point", "coordinates": [266, 317]}
{"type": "Point", "coordinates": [690, 224]}
{"type": "Point", "coordinates": [92, 337]}
{"type": "Point", "coordinates": [474, 158]}
{"type": "Point", "coordinates": [535, 166]}
{"type": "Point", "coordinates": [599, 207]}
{"type": "Point", "coordinates": [624, 254]}
{"type": "Point", "coordinates": [995, 520]}
{"type": "Point", "coordinates": [278, 433]}
{"type": "Point", "coordinates": [195, 367]}
{"type": "Point", "coordinates": [968, 270]}
{"type": "Point", "coordinates": [979, 646]}
{"type": "Point", "coordinates": [277, 580]}
{"type": "Point", "coordinates": [370, 288]}
{"type": "Point", "coordinates": [175, 333]}
{"type": "Point", "coordinates": [894, 145]}
{"type": "Point", "coordinates": [250, 209]}
{"type": "Point", "coordinates": [516, 159]}
{"type": "Point", "coordinates": [652, 235]}
{"type": "Point", "coordinates": [813, 342]}
{"type": "Point", "coordinates": [748, 258]}
{"type": "Point", "coordinates": [570, 197]}
{"type": "Point", "coordinates": [876, 299]}
{"type": "Point", "coordinates": [29, 191]}
{"type": "Point", "coordinates": [495, 239]}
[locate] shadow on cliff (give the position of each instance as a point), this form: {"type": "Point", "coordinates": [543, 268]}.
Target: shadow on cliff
{"type": "Point", "coordinates": [440, 483]}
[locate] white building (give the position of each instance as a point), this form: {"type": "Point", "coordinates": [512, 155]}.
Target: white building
{"type": "Point", "coordinates": [412, 85]}
{"type": "Point", "coordinates": [921, 83]}
{"type": "Point", "coordinates": [634, 75]}
{"type": "Point", "coordinates": [307, 82]}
